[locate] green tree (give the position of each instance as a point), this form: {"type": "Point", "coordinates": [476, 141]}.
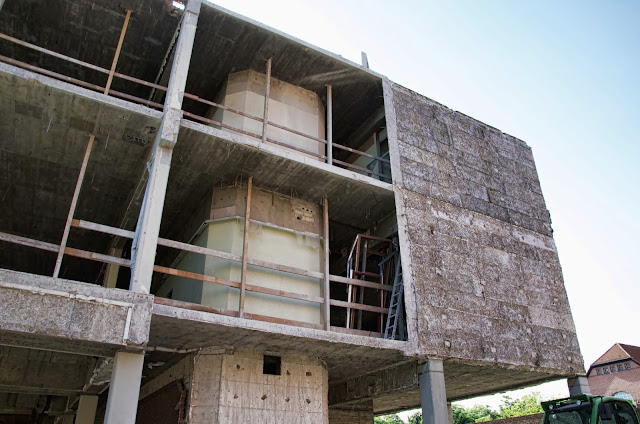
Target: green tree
{"type": "Point", "coordinates": [482, 413]}
{"type": "Point", "coordinates": [388, 419]}
{"type": "Point", "coordinates": [416, 418]}
{"type": "Point", "coordinates": [527, 405]}
{"type": "Point", "coordinates": [475, 414]}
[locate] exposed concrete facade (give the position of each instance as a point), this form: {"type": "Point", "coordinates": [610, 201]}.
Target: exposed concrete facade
{"type": "Point", "coordinates": [476, 229]}
{"type": "Point", "coordinates": [484, 298]}
{"type": "Point", "coordinates": [233, 387]}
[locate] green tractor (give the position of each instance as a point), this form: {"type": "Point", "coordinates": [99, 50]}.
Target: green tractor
{"type": "Point", "coordinates": [589, 409]}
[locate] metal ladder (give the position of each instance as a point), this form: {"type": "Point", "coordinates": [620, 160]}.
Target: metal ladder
{"type": "Point", "coordinates": [395, 304]}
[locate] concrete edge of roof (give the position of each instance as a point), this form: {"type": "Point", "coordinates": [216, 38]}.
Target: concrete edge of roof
{"type": "Point", "coordinates": [296, 40]}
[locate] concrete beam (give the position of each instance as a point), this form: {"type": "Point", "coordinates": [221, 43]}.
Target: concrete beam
{"type": "Point", "coordinates": [143, 251]}
{"type": "Point", "coordinates": [72, 312]}
{"type": "Point", "coordinates": [433, 395]}
{"type": "Point", "coordinates": [375, 385]}
{"type": "Point", "coordinates": [122, 402]}
{"type": "Point", "coordinates": [42, 372]}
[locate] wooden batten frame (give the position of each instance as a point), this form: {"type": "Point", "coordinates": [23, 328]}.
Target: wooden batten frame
{"type": "Point", "coordinates": [116, 56]}
{"type": "Point", "coordinates": [267, 89]}
{"type": "Point", "coordinates": [245, 248]}
{"type": "Point", "coordinates": [111, 73]}
{"type": "Point", "coordinates": [72, 208]}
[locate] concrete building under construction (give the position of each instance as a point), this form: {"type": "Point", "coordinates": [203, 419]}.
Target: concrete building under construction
{"type": "Point", "coordinates": [205, 220]}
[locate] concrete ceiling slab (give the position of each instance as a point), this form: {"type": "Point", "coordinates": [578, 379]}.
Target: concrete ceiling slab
{"type": "Point", "coordinates": [345, 355]}
{"type": "Point", "coordinates": [226, 42]}
{"type": "Point", "coordinates": [89, 30]}
{"type": "Point", "coordinates": [43, 137]}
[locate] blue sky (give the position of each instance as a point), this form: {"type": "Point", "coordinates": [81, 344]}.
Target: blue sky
{"type": "Point", "coordinates": [562, 76]}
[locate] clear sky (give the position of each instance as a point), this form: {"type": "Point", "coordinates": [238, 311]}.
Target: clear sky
{"type": "Point", "coordinates": [561, 75]}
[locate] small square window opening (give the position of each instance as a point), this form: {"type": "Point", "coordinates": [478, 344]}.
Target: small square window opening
{"type": "Point", "coordinates": [271, 365]}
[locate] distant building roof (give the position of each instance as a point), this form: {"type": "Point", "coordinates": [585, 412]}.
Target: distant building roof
{"type": "Point", "coordinates": [619, 352]}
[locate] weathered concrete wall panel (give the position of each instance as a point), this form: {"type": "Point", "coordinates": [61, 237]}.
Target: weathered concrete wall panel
{"type": "Point", "coordinates": [486, 282]}
{"type": "Point", "coordinates": [232, 388]}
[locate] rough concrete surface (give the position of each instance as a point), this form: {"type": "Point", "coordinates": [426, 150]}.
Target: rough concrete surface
{"type": "Point", "coordinates": [486, 280]}
{"type": "Point", "coordinates": [73, 311]}
{"type": "Point", "coordinates": [233, 388]}
{"type": "Point", "coordinates": [483, 287]}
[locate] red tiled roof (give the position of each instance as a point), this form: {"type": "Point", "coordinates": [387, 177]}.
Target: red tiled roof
{"type": "Point", "coordinates": [633, 351]}
{"type": "Point", "coordinates": [615, 353]}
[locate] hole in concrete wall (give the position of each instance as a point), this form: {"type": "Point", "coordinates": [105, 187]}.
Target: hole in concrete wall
{"type": "Point", "coordinates": [271, 365]}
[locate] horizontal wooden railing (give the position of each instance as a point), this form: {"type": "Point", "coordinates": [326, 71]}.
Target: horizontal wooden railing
{"type": "Point", "coordinates": [118, 232]}
{"type": "Point", "coordinates": [192, 116]}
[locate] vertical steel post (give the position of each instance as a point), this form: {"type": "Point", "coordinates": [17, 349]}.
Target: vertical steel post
{"type": "Point", "coordinates": [117, 54]}
{"type": "Point", "coordinates": [329, 126]}
{"type": "Point", "coordinates": [245, 250]}
{"type": "Point", "coordinates": [74, 202]}
{"type": "Point", "coordinates": [266, 102]}
{"type": "Point", "coordinates": [327, 297]}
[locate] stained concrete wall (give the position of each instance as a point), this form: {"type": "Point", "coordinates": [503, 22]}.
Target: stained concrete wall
{"type": "Point", "coordinates": [289, 105]}
{"type": "Point", "coordinates": [486, 284]}
{"type": "Point", "coordinates": [232, 388]}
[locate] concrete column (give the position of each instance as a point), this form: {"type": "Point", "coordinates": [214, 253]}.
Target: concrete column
{"type": "Point", "coordinates": [182, 58]}
{"type": "Point", "coordinates": [578, 386]}
{"type": "Point", "coordinates": [122, 402]}
{"type": "Point", "coordinates": [433, 395]}
{"type": "Point", "coordinates": [111, 272]}
{"type": "Point", "coordinates": [87, 409]}
{"type": "Point", "coordinates": [143, 251]}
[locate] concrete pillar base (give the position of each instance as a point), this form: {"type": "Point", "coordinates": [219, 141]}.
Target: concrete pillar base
{"type": "Point", "coordinates": [433, 395]}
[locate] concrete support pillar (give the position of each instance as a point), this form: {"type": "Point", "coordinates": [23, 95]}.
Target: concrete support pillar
{"type": "Point", "coordinates": [143, 251]}
{"type": "Point", "coordinates": [122, 402]}
{"type": "Point", "coordinates": [111, 273]}
{"type": "Point", "coordinates": [87, 409]}
{"type": "Point", "coordinates": [433, 395]}
{"type": "Point", "coordinates": [578, 386]}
